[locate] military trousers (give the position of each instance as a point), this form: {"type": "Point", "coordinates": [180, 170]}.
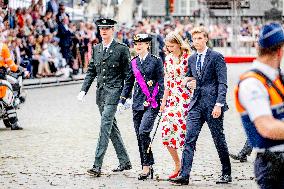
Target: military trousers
{"type": "Point", "coordinates": [143, 124]}
{"type": "Point", "coordinates": [109, 130]}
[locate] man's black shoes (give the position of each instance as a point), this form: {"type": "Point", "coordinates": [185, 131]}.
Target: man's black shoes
{"type": "Point", "coordinates": [239, 157]}
{"type": "Point", "coordinates": [95, 171]}
{"type": "Point", "coordinates": [180, 180]}
{"type": "Point", "coordinates": [224, 179]}
{"type": "Point", "coordinates": [123, 167]}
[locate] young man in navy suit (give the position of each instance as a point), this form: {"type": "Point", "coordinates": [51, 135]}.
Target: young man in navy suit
{"type": "Point", "coordinates": [208, 105]}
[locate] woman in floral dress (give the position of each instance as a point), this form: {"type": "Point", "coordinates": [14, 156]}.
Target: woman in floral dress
{"type": "Point", "coordinates": [176, 98]}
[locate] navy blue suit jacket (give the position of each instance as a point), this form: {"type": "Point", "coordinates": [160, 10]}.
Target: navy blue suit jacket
{"type": "Point", "coordinates": [151, 69]}
{"type": "Point", "coordinates": [49, 7]}
{"type": "Point", "coordinates": [212, 87]}
{"type": "Point", "coordinates": [64, 35]}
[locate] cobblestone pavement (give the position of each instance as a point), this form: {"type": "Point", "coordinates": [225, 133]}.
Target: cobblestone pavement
{"type": "Point", "coordinates": [58, 144]}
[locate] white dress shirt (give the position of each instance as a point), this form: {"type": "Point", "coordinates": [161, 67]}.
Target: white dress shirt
{"type": "Point", "coordinates": [143, 58]}
{"type": "Point", "coordinates": [107, 45]}
{"type": "Point", "coordinates": [203, 54]}
{"type": "Point", "coordinates": [253, 95]}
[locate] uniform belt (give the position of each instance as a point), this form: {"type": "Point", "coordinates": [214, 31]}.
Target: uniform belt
{"type": "Point", "coordinates": [276, 158]}
{"type": "Point", "coordinates": [278, 148]}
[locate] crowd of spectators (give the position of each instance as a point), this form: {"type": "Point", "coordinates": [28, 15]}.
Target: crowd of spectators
{"type": "Point", "coordinates": [45, 42]}
{"type": "Point", "coordinates": [42, 38]}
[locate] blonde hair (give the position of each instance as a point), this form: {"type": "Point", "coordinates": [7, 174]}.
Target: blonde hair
{"type": "Point", "coordinates": [174, 37]}
{"type": "Point", "coordinates": [200, 29]}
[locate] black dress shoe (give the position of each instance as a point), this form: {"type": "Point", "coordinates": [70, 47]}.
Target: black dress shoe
{"type": "Point", "coordinates": [123, 167]}
{"type": "Point", "coordinates": [144, 176]}
{"type": "Point", "coordinates": [239, 157]}
{"type": "Point", "coordinates": [16, 126]}
{"type": "Point", "coordinates": [224, 179]}
{"type": "Point", "coordinates": [95, 171]}
{"type": "Point", "coordinates": [180, 180]}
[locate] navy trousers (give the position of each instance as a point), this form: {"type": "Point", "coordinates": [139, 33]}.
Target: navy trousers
{"type": "Point", "coordinates": [143, 123]}
{"type": "Point", "coordinates": [269, 172]}
{"type": "Point", "coordinates": [197, 116]}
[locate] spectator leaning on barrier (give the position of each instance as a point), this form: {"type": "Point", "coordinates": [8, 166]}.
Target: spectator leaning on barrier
{"type": "Point", "coordinates": [260, 102]}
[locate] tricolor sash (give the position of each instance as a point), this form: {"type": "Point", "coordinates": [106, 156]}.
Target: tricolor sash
{"type": "Point", "coordinates": [151, 101]}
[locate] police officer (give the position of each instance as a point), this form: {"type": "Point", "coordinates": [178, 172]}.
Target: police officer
{"type": "Point", "coordinates": [110, 64]}
{"type": "Point", "coordinates": [11, 120]}
{"type": "Point", "coordinates": [260, 102]}
{"type": "Point", "coordinates": [148, 81]}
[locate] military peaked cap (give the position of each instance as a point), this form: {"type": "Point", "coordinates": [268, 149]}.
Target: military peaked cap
{"type": "Point", "coordinates": [105, 22]}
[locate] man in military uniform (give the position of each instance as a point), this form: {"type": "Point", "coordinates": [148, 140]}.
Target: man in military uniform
{"type": "Point", "coordinates": [110, 64]}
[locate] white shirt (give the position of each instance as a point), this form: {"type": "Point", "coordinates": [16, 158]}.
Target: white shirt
{"type": "Point", "coordinates": [203, 54]}
{"type": "Point", "coordinates": [143, 58]}
{"type": "Point", "coordinates": [66, 27]}
{"type": "Point", "coordinates": [253, 95]}
{"type": "Point", "coordinates": [107, 45]}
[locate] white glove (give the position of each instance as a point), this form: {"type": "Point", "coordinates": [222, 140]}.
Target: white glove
{"type": "Point", "coordinates": [120, 108]}
{"type": "Point", "coordinates": [81, 95]}
{"type": "Point", "coordinates": [128, 103]}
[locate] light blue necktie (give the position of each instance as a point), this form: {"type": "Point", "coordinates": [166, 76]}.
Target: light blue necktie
{"type": "Point", "coordinates": [199, 66]}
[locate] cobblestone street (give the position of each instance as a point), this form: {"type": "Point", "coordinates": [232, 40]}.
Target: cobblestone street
{"type": "Point", "coordinates": [59, 139]}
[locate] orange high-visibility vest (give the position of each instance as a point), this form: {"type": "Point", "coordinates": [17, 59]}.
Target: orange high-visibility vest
{"type": "Point", "coordinates": [5, 58]}
{"type": "Point", "coordinates": [6, 61]}
{"type": "Point", "coordinates": [276, 105]}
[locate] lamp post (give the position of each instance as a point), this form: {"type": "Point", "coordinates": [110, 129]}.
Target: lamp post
{"type": "Point", "coordinates": [167, 7]}
{"type": "Point", "coordinates": [139, 9]}
{"type": "Point", "coordinates": [236, 21]}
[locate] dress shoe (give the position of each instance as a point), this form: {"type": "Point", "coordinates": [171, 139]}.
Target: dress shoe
{"type": "Point", "coordinates": [239, 157]}
{"type": "Point", "coordinates": [16, 126]}
{"type": "Point", "coordinates": [95, 171]}
{"type": "Point", "coordinates": [174, 175]}
{"type": "Point", "coordinates": [144, 176]}
{"type": "Point", "coordinates": [224, 179]}
{"type": "Point", "coordinates": [180, 180]}
{"type": "Point", "coordinates": [123, 167]}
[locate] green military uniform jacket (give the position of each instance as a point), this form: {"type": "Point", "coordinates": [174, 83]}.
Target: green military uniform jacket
{"type": "Point", "coordinates": [111, 69]}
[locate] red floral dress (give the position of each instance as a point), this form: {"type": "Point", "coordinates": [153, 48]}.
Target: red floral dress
{"type": "Point", "coordinates": [173, 121]}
